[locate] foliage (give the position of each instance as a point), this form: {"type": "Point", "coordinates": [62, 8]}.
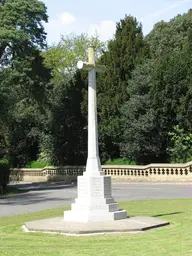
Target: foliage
{"type": "Point", "coordinates": [68, 123]}
{"type": "Point", "coordinates": [4, 174]}
{"type": "Point", "coordinates": [173, 240]}
{"type": "Point", "coordinates": [66, 141]}
{"type": "Point", "coordinates": [120, 161]}
{"type": "Point", "coordinates": [160, 93]}
{"type": "Point", "coordinates": [138, 118]}
{"type": "Point", "coordinates": [27, 120]}
{"type": "Point", "coordinates": [181, 150]}
{"type": "Point", "coordinates": [21, 26]}
{"type": "Point", "coordinates": [22, 77]}
{"type": "Point", "coordinates": [145, 91]}
{"type": "Point", "coordinates": [124, 51]}
{"type": "Point", "coordinates": [171, 94]}
{"type": "Point", "coordinates": [43, 157]}
{"type": "Point", "coordinates": [169, 36]}
{"type": "Point", "coordinates": [62, 58]}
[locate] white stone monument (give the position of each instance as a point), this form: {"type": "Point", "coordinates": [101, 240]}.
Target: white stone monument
{"type": "Point", "coordinates": [94, 211]}
{"type": "Point", "coordinates": [95, 202]}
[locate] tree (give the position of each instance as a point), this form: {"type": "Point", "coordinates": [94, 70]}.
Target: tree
{"type": "Point", "coordinates": [22, 75]}
{"type": "Point", "coordinates": [28, 114]}
{"type": "Point", "coordinates": [62, 58]}
{"type": "Point", "coordinates": [149, 115]}
{"type": "Point", "coordinates": [169, 36]}
{"type": "Point", "coordinates": [68, 133]}
{"type": "Point", "coordinates": [138, 118]}
{"type": "Point", "coordinates": [67, 139]}
{"type": "Point", "coordinates": [21, 27]}
{"type": "Point", "coordinates": [171, 94]}
{"type": "Point", "coordinates": [124, 52]}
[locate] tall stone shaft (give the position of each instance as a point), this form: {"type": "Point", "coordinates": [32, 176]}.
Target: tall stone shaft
{"type": "Point", "coordinates": [93, 166]}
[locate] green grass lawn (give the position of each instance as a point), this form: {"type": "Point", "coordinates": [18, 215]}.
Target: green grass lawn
{"type": "Point", "coordinates": [173, 240]}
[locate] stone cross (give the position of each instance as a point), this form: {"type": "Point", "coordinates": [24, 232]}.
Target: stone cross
{"type": "Point", "coordinates": [94, 202]}
{"type": "Point", "coordinates": [93, 166]}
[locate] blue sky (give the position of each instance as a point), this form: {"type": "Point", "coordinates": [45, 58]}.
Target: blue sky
{"type": "Point", "coordinates": [78, 16]}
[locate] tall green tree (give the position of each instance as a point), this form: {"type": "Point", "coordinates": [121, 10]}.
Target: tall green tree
{"type": "Point", "coordinates": [68, 124]}
{"type": "Point", "coordinates": [21, 27]}
{"type": "Point", "coordinates": [22, 75]}
{"type": "Point", "coordinates": [167, 76]}
{"type": "Point", "coordinates": [139, 139]}
{"type": "Point", "coordinates": [171, 94]}
{"type": "Point", "coordinates": [124, 52]}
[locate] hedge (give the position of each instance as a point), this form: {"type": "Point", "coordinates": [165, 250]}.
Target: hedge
{"type": "Point", "coordinates": [4, 174]}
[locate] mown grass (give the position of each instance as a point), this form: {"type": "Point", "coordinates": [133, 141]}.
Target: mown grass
{"type": "Point", "coordinates": [37, 164]}
{"type": "Point", "coordinates": [173, 240]}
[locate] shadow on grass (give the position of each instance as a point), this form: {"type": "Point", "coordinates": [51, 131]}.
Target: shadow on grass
{"type": "Point", "coordinates": [167, 214]}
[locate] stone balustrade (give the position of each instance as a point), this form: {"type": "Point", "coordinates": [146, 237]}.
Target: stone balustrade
{"type": "Point", "coordinates": [46, 174]}
{"type": "Point", "coordinates": [151, 172]}
{"type": "Point", "coordinates": [137, 173]}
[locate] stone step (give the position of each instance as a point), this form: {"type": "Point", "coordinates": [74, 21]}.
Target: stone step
{"type": "Point", "coordinates": [95, 207]}
{"type": "Point", "coordinates": [94, 216]}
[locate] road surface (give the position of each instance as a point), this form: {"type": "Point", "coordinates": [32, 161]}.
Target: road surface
{"type": "Point", "coordinates": [41, 197]}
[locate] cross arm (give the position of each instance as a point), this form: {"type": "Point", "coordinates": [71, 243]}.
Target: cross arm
{"type": "Point", "coordinates": [87, 66]}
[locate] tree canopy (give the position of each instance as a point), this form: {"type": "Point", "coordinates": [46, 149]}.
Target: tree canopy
{"type": "Point", "coordinates": [165, 77]}
{"type": "Point", "coordinates": [144, 97]}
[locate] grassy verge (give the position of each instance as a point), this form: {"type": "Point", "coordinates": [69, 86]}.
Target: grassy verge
{"type": "Point", "coordinates": [173, 240]}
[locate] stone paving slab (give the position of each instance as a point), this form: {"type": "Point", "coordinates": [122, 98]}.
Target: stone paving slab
{"type": "Point", "coordinates": [129, 225]}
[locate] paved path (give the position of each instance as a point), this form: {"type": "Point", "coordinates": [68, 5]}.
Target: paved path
{"type": "Point", "coordinates": [43, 197]}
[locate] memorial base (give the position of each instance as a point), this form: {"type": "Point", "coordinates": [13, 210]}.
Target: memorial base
{"type": "Point", "coordinates": [95, 202]}
{"type": "Point", "coordinates": [59, 226]}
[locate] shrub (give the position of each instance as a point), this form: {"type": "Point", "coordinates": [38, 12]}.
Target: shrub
{"type": "Point", "coordinates": [181, 148]}
{"type": "Point", "coordinates": [4, 174]}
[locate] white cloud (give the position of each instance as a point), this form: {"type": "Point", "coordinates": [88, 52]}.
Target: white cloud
{"type": "Point", "coordinates": [105, 29]}
{"type": "Point", "coordinates": [66, 18]}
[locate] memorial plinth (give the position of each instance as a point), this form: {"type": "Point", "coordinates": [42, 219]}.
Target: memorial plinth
{"type": "Point", "coordinates": [95, 202]}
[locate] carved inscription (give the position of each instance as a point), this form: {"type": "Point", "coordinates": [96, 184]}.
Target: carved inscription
{"type": "Point", "coordinates": [94, 187]}
{"type": "Point", "coordinates": [83, 187]}
{"type": "Point", "coordinates": [97, 187]}
{"type": "Point", "coordinates": [107, 186]}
